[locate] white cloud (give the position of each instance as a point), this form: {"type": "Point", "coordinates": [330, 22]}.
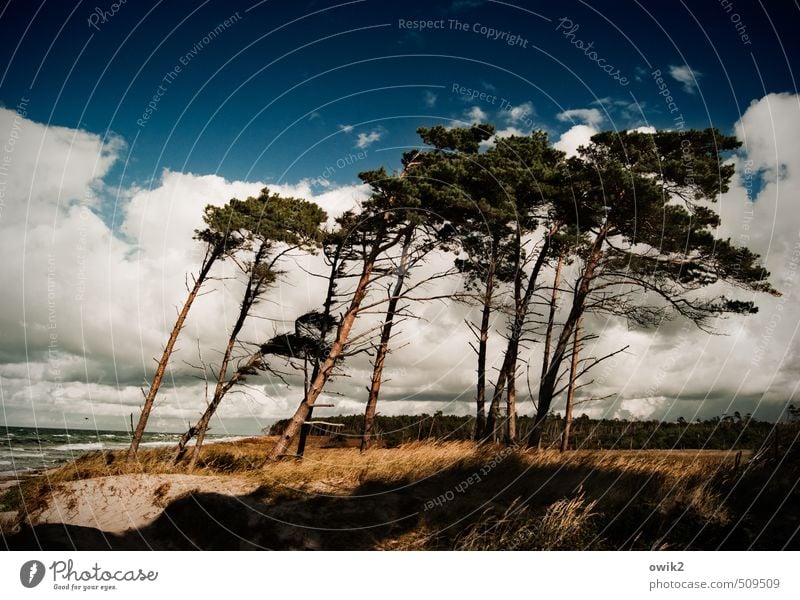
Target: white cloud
{"type": "Point", "coordinates": [367, 139]}
{"type": "Point", "coordinates": [686, 76]}
{"type": "Point", "coordinates": [476, 115]}
{"type": "Point", "coordinates": [589, 116]}
{"type": "Point", "coordinates": [346, 128]}
{"type": "Point", "coordinates": [574, 137]}
{"type": "Point", "coordinates": [113, 298]}
{"type": "Point", "coordinates": [90, 308]}
{"type": "Point", "coordinates": [522, 112]}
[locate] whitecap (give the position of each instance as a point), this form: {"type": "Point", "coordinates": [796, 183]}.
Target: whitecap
{"type": "Point", "coordinates": [80, 447]}
{"type": "Point", "coordinates": [227, 439]}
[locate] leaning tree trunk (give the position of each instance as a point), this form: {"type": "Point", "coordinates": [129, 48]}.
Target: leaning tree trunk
{"type": "Point", "coordinates": [573, 368]}
{"type": "Point", "coordinates": [222, 387]}
{"type": "Point", "coordinates": [327, 307]}
{"type": "Point", "coordinates": [251, 293]}
{"type": "Point", "coordinates": [212, 254]}
{"type": "Point", "coordinates": [303, 411]}
{"type": "Point", "coordinates": [548, 383]}
{"type": "Point", "coordinates": [506, 379]}
{"type": "Point", "coordinates": [548, 336]}
{"type": "Point", "coordinates": [251, 363]}
{"type": "Point", "coordinates": [337, 349]}
{"type": "Point", "coordinates": [383, 346]}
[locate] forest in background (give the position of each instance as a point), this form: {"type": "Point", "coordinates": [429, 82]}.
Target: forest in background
{"type": "Point", "coordinates": [729, 432]}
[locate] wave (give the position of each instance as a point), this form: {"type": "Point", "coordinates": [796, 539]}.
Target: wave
{"type": "Point", "coordinates": [219, 440]}
{"type": "Point", "coordinates": [20, 453]}
{"type": "Point", "coordinates": [18, 472]}
{"type": "Point", "coordinates": [81, 447]}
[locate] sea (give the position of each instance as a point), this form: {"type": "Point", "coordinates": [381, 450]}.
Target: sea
{"type": "Point", "coordinates": [25, 451]}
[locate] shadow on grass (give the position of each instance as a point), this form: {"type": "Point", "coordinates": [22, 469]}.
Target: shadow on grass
{"type": "Point", "coordinates": [752, 508]}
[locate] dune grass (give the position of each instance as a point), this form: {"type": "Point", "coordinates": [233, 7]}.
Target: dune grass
{"type": "Point", "coordinates": [443, 495]}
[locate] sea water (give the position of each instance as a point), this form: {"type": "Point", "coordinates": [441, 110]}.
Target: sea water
{"type": "Point", "coordinates": [27, 450]}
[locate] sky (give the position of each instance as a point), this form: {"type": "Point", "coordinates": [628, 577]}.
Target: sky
{"type": "Point", "coordinates": [119, 122]}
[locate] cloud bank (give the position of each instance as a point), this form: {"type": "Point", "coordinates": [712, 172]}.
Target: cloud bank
{"type": "Point", "coordinates": [86, 307]}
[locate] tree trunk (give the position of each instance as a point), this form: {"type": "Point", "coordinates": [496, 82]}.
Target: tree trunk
{"type": "Point", "coordinates": [508, 370]}
{"type": "Point", "coordinates": [483, 340]}
{"type": "Point", "coordinates": [252, 291]}
{"type": "Point", "coordinates": [212, 254]}
{"type": "Point", "coordinates": [306, 428]}
{"type": "Point", "coordinates": [337, 348]}
{"type": "Point", "coordinates": [510, 437]}
{"type": "Point", "coordinates": [490, 433]}
{"type": "Point", "coordinates": [222, 388]}
{"type": "Point", "coordinates": [383, 346]}
{"type": "Point", "coordinates": [552, 316]}
{"type": "Point", "coordinates": [548, 383]}
{"type": "Point", "coordinates": [326, 312]}
{"type": "Point", "coordinates": [200, 428]}
{"type": "Point", "coordinates": [573, 368]}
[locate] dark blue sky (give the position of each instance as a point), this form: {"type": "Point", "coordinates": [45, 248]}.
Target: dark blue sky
{"type": "Point", "coordinates": [265, 98]}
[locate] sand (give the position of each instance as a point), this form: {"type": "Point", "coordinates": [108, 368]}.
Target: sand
{"type": "Point", "coordinates": [123, 502]}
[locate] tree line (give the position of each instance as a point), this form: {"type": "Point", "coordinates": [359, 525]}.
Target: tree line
{"type": "Point", "coordinates": [539, 241]}
{"type": "Point", "coordinates": [727, 432]}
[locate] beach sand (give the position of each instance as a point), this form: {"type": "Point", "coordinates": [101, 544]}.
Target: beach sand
{"type": "Point", "coordinates": [120, 503]}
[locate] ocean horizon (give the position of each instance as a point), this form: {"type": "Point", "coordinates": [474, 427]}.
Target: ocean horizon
{"type": "Point", "coordinates": [25, 451]}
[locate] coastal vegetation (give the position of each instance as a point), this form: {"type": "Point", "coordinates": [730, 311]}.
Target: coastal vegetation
{"type": "Point", "coordinates": [536, 245]}
{"type": "Point", "coordinates": [419, 495]}
{"type": "Point", "coordinates": [624, 229]}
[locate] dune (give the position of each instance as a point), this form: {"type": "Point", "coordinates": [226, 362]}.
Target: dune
{"type": "Point", "coordinates": [119, 503]}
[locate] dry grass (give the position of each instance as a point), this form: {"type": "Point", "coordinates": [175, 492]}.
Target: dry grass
{"type": "Point", "coordinates": [567, 524]}
{"type": "Point", "coordinates": [459, 495]}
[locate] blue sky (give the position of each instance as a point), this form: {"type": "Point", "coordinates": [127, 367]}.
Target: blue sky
{"type": "Point", "coordinates": [266, 98]}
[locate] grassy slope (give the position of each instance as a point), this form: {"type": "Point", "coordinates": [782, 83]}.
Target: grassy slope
{"type": "Point", "coordinates": [449, 495]}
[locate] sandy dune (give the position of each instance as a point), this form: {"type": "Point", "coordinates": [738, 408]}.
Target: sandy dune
{"type": "Point", "coordinates": [122, 502]}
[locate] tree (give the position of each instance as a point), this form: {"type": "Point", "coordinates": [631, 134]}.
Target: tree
{"type": "Point", "coordinates": [222, 238]}
{"type": "Point", "coordinates": [378, 229]}
{"type": "Point", "coordinates": [645, 237]}
{"type": "Point", "coordinates": [383, 345]}
{"type": "Point", "coordinates": [573, 376]}
{"type": "Point", "coordinates": [273, 227]}
{"type": "Point", "coordinates": [438, 225]}
{"type": "Point", "coordinates": [475, 193]}
{"type": "Point", "coordinates": [529, 171]}
{"type": "Point", "coordinates": [310, 341]}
